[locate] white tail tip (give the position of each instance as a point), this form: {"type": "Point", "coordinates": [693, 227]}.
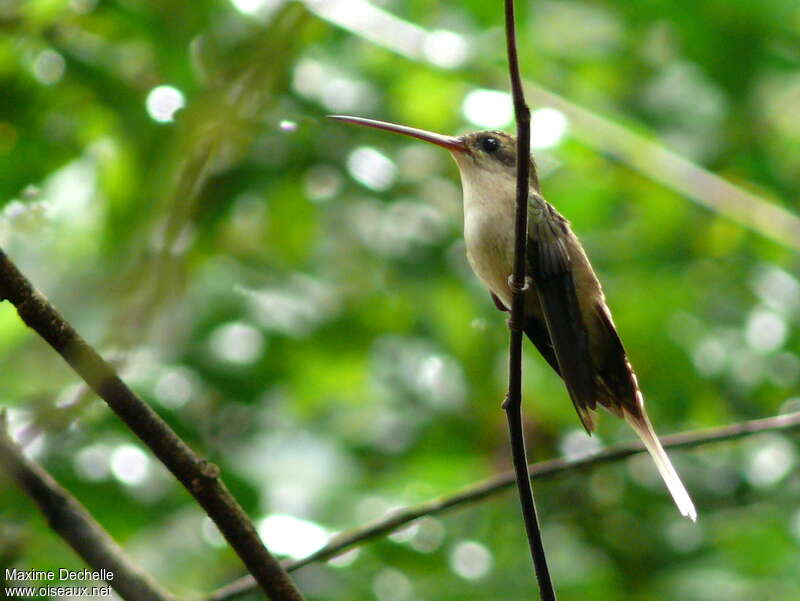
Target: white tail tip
{"type": "Point", "coordinates": [676, 488]}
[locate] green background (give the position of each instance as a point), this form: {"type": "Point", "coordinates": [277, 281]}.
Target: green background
{"type": "Point", "coordinates": [324, 341]}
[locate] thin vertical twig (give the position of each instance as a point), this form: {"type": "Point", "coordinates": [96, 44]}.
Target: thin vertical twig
{"type": "Point", "coordinates": [513, 401]}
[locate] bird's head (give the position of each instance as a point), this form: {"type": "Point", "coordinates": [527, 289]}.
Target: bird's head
{"type": "Point", "coordinates": [482, 156]}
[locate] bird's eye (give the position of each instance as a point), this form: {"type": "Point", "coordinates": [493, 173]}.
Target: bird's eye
{"type": "Point", "coordinates": [490, 144]}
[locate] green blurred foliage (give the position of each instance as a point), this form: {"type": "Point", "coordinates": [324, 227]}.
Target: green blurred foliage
{"type": "Point", "coordinates": [320, 335]}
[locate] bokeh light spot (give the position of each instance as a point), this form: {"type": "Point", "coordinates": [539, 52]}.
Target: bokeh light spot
{"type": "Point", "coordinates": [445, 49]}
{"type": "Point", "coordinates": [322, 182]}
{"type": "Point", "coordinates": [771, 458]}
{"type": "Point", "coordinates": [237, 342]}
{"type": "Point", "coordinates": [294, 307]}
{"type": "Point", "coordinates": [710, 356]}
{"type": "Point", "coordinates": [256, 8]}
{"type": "Point", "coordinates": [488, 108]}
{"type": "Point", "coordinates": [174, 388]}
{"type": "Point", "coordinates": [684, 536]}
{"type": "Point", "coordinates": [777, 289]}
{"type": "Point", "coordinates": [163, 102]}
{"type": "Point", "coordinates": [49, 67]}
{"type": "Point", "coordinates": [342, 94]}
{"type": "Point", "coordinates": [429, 535]}
{"type": "Point", "coordinates": [548, 126]}
{"type": "Point", "coordinates": [92, 462]}
{"type": "Point", "coordinates": [308, 77]}
{"type": "Point", "coordinates": [129, 464]}
{"type": "Point", "coordinates": [470, 560]}
{"type": "Point", "coordinates": [784, 369]}
{"type": "Point", "coordinates": [577, 444]}
{"type": "Point", "coordinates": [291, 536]}
{"type": "Point", "coordinates": [765, 330]}
{"type": "Point", "coordinates": [248, 7]}
{"type": "Point", "coordinates": [391, 585]}
{"type": "Point", "coordinates": [372, 168]}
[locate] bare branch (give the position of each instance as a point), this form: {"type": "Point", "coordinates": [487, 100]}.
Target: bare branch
{"type": "Point", "coordinates": [70, 520]}
{"type": "Point", "coordinates": [200, 477]}
{"type": "Point", "coordinates": [513, 402]}
{"type": "Point", "coordinates": [499, 484]}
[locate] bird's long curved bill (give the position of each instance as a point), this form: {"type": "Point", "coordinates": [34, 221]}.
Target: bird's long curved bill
{"type": "Point", "coordinates": [449, 142]}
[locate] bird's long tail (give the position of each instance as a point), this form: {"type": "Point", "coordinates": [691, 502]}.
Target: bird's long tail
{"type": "Point", "coordinates": [641, 424]}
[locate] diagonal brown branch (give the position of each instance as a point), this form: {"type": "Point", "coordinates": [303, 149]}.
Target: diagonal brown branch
{"type": "Point", "coordinates": [76, 526]}
{"type": "Point", "coordinates": [200, 477]}
{"type": "Point", "coordinates": [499, 484]}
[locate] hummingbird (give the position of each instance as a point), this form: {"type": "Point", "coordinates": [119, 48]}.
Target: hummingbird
{"type": "Point", "coordinates": [566, 315]}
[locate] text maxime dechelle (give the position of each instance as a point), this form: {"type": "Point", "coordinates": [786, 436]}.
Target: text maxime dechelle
{"type": "Point", "coordinates": [60, 590]}
{"type": "Point", "coordinates": [13, 574]}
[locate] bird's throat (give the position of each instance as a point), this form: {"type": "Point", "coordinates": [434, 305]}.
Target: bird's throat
{"type": "Point", "coordinates": [489, 231]}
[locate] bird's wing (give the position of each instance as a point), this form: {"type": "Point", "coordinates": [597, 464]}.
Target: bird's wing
{"type": "Point", "coordinates": [613, 368]}
{"type": "Point", "coordinates": [536, 331]}
{"type": "Point", "coordinates": [549, 265]}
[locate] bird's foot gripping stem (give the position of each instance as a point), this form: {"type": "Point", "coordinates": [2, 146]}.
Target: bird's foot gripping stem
{"type": "Point", "coordinates": [524, 288]}
{"type": "Point", "coordinates": [517, 291]}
